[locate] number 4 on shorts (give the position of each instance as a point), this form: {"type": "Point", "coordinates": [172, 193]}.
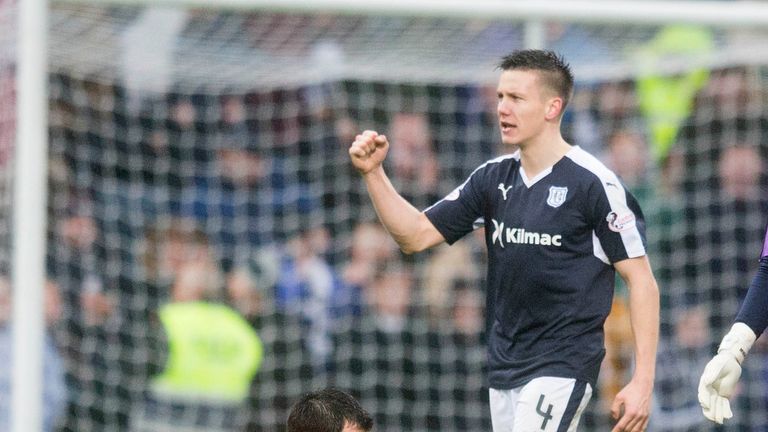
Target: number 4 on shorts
{"type": "Point", "coordinates": [546, 414]}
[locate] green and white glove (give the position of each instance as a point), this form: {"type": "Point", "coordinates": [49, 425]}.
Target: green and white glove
{"type": "Point", "coordinates": [721, 374]}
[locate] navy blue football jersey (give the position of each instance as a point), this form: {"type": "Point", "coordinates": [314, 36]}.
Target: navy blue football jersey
{"type": "Point", "coordinates": [551, 244]}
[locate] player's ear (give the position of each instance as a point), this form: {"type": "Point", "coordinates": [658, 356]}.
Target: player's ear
{"type": "Point", "coordinates": [554, 108]}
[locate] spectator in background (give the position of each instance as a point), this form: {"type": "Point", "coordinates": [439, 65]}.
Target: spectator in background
{"type": "Point", "coordinates": [93, 152]}
{"type": "Point", "coordinates": [739, 169]}
{"type": "Point", "coordinates": [156, 172]}
{"type": "Point", "coordinates": [457, 350]}
{"type": "Point", "coordinates": [616, 104]}
{"type": "Point", "coordinates": [721, 375]}
{"type": "Point", "coordinates": [627, 155]}
{"type": "Point", "coordinates": [682, 356]}
{"type": "Point", "coordinates": [728, 95]}
{"type": "Point", "coordinates": [233, 200]}
{"type": "Point", "coordinates": [444, 269]}
{"type": "Point", "coordinates": [490, 143]}
{"type": "Point", "coordinates": [253, 192]}
{"type": "Point", "coordinates": [737, 210]}
{"type": "Point", "coordinates": [740, 207]}
{"type": "Point", "coordinates": [54, 390]}
{"type": "Point", "coordinates": [723, 199]}
{"type": "Point", "coordinates": [76, 258]}
{"type": "Point", "coordinates": [233, 125]}
{"type": "Point", "coordinates": [390, 295]}
{"type": "Point", "coordinates": [415, 168]}
{"type": "Point", "coordinates": [665, 99]}
{"type": "Point", "coordinates": [389, 335]}
{"type": "Point", "coordinates": [725, 207]}
{"type": "Point", "coordinates": [467, 313]}
{"type": "Point", "coordinates": [341, 185]}
{"type": "Point", "coordinates": [463, 129]}
{"type": "Point", "coordinates": [665, 231]}
{"type": "Point", "coordinates": [329, 410]}
{"type": "Point", "coordinates": [187, 128]}
{"type": "Point", "coordinates": [581, 123]}
{"type": "Point", "coordinates": [370, 245]}
{"type": "Point", "coordinates": [286, 369]}
{"type": "Point", "coordinates": [325, 128]}
{"type": "Point", "coordinates": [173, 152]}
{"type": "Point", "coordinates": [212, 351]}
{"type": "Point", "coordinates": [309, 287]}
{"type": "Point", "coordinates": [683, 336]}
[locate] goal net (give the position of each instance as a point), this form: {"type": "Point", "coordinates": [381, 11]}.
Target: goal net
{"type": "Point", "coordinates": [199, 157]}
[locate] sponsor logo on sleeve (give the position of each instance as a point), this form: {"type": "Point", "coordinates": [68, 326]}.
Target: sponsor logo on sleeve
{"type": "Point", "coordinates": [620, 222]}
{"type": "Point", "coordinates": [454, 195]}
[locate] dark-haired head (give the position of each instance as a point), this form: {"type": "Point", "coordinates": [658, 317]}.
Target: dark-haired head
{"type": "Point", "coordinates": [553, 70]}
{"type": "Point", "coordinates": [329, 410]}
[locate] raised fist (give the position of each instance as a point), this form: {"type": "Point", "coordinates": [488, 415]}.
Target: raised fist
{"type": "Point", "coordinates": [368, 151]}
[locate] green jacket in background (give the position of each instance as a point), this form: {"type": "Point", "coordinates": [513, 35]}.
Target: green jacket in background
{"type": "Point", "coordinates": [666, 99]}
{"type": "Point", "coordinates": [213, 353]}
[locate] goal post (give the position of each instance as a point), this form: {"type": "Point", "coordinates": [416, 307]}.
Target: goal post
{"type": "Point", "coordinates": [29, 218]}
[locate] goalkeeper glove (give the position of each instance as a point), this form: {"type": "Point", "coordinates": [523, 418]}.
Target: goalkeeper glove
{"type": "Point", "coordinates": [721, 374]}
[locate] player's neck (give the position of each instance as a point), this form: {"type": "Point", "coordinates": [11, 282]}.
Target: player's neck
{"type": "Point", "coordinates": [543, 152]}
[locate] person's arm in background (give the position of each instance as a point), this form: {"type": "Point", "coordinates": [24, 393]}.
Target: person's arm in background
{"type": "Point", "coordinates": [635, 398]}
{"type": "Point", "coordinates": [720, 376]}
{"type": "Point", "coordinates": [409, 227]}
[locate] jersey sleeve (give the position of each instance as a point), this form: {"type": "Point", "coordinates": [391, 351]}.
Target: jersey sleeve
{"type": "Point", "coordinates": [455, 215]}
{"type": "Point", "coordinates": [618, 222]}
{"type": "Point", "coordinates": [754, 309]}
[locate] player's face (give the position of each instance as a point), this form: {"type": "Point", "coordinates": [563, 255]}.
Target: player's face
{"type": "Point", "coordinates": [522, 106]}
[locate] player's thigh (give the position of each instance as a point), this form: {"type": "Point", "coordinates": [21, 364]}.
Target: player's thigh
{"type": "Point", "coordinates": [551, 404]}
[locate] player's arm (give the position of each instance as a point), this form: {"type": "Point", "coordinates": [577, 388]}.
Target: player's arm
{"type": "Point", "coordinates": [720, 376]}
{"type": "Point", "coordinates": [635, 398]}
{"type": "Point", "coordinates": [754, 310]}
{"type": "Point", "coordinates": [410, 228]}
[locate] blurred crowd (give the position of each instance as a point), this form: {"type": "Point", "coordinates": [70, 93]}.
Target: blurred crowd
{"type": "Point", "coordinates": [213, 255]}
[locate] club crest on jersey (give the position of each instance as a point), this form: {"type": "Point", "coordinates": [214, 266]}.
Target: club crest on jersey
{"type": "Point", "coordinates": [619, 223]}
{"type": "Point", "coordinates": [557, 196]}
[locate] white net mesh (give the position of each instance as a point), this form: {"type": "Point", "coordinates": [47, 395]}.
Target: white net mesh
{"type": "Point", "coordinates": [201, 154]}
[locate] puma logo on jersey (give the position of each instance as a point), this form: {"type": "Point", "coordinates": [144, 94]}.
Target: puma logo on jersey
{"type": "Point", "coordinates": [505, 236]}
{"type": "Point", "coordinates": [504, 190]}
